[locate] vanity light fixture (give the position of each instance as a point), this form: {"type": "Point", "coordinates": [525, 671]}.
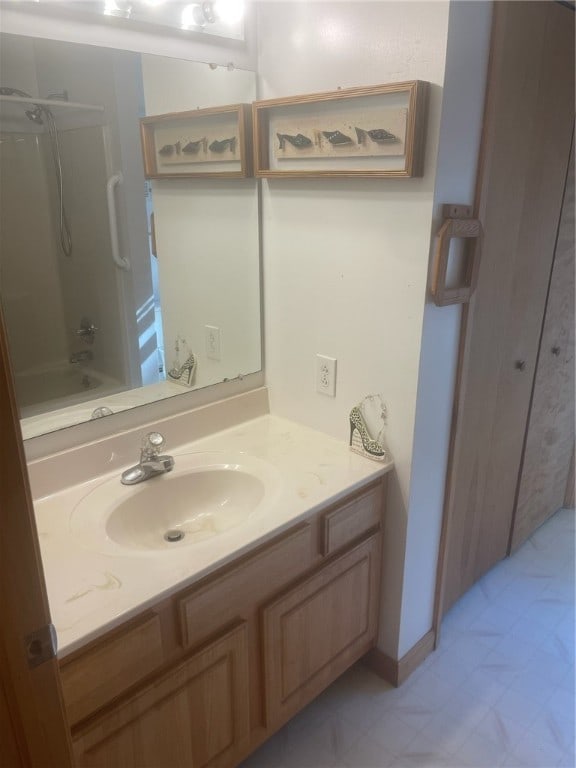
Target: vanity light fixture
{"type": "Point", "coordinates": [229, 11]}
{"type": "Point", "coordinates": [190, 18]}
{"type": "Point", "coordinates": [117, 8]}
{"type": "Point", "coordinates": [198, 15]}
{"type": "Point", "coordinates": [223, 18]}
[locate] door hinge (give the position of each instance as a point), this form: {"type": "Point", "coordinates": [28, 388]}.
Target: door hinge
{"type": "Point", "coordinates": [41, 645]}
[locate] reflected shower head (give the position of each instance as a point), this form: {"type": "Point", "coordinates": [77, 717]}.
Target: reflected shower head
{"type": "Point", "coordinates": [39, 114]}
{"type": "Point", "coordinates": [6, 91]}
{"type": "Point", "coordinates": [35, 115]}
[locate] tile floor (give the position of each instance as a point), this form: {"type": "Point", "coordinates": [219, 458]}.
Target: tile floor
{"type": "Point", "coordinates": [499, 691]}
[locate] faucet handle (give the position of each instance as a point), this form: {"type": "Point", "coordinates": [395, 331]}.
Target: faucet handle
{"type": "Point", "coordinates": [152, 444]}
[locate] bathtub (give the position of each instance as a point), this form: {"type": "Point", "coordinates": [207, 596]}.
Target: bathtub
{"type": "Point", "coordinates": [51, 387]}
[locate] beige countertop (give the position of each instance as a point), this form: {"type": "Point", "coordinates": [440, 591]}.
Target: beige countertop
{"type": "Point", "coordinates": [91, 589]}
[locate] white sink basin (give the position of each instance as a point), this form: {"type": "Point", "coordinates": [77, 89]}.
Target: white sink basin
{"type": "Point", "coordinates": [204, 496]}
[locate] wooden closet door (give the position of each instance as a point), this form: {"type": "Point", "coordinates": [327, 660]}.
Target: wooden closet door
{"type": "Point", "coordinates": [548, 453]}
{"type": "Point", "coordinates": [524, 158]}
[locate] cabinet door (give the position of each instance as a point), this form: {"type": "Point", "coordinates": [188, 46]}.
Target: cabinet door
{"type": "Point", "coordinates": [550, 437]}
{"type": "Point", "coordinates": [315, 631]}
{"type": "Point", "coordinates": [523, 162]}
{"type": "Point", "coordinates": [193, 716]}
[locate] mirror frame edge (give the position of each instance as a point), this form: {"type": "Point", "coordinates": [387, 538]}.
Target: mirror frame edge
{"type": "Point", "coordinates": [74, 436]}
{"type": "Point", "coordinates": [140, 416]}
{"type": "Point", "coordinates": [16, 19]}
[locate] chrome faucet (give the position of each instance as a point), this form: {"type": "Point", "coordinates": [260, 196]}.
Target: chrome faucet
{"type": "Point", "coordinates": [151, 462]}
{"type": "Point", "coordinates": [87, 331]}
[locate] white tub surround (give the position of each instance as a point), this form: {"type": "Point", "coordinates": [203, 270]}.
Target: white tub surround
{"type": "Point", "coordinates": [34, 425]}
{"type": "Point", "coordinates": [92, 591]}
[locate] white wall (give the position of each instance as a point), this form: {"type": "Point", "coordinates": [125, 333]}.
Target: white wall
{"type": "Point", "coordinates": [28, 244]}
{"type": "Point", "coordinates": [29, 285]}
{"type": "Point", "coordinates": [345, 262]}
{"type": "Point", "coordinates": [18, 65]}
{"type": "Point", "coordinates": [172, 85]}
{"type": "Point", "coordinates": [460, 131]}
{"type": "Point", "coordinates": [206, 232]}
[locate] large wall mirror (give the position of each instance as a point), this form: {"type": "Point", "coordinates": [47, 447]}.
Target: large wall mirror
{"type": "Point", "coordinates": [117, 291]}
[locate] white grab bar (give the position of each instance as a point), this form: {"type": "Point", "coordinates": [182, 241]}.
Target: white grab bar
{"type": "Point", "coordinates": [120, 261]}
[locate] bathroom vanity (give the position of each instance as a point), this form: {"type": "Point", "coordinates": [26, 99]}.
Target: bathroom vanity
{"type": "Point", "coordinates": [194, 656]}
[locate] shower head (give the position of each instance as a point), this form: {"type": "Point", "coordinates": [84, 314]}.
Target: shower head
{"type": "Point", "coordinates": [6, 91]}
{"type": "Point", "coordinates": [39, 114]}
{"type": "Point", "coordinates": [35, 115]}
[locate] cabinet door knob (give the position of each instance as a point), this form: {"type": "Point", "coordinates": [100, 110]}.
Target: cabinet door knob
{"type": "Point", "coordinates": [520, 365]}
{"type": "Point", "coordinates": [556, 350]}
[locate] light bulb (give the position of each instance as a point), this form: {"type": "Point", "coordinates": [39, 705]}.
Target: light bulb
{"type": "Point", "coordinates": [117, 8]}
{"type": "Point", "coordinates": [229, 11]}
{"type": "Point", "coordinates": [189, 16]}
{"type": "Point", "coordinates": [110, 8]}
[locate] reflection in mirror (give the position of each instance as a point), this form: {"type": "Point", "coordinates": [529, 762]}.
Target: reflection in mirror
{"type": "Point", "coordinates": [223, 18]}
{"type": "Point", "coordinates": [116, 291]}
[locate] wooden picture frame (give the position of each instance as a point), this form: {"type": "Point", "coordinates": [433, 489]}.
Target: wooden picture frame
{"type": "Point", "coordinates": [369, 131]}
{"type": "Point", "coordinates": [215, 142]}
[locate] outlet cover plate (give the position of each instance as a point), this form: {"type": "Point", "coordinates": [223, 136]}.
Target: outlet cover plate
{"type": "Point", "coordinates": [212, 342]}
{"type": "Point", "coordinates": [326, 375]}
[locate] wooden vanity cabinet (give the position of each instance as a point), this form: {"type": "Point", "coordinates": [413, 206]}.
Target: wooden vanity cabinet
{"type": "Point", "coordinates": [193, 715]}
{"type": "Point", "coordinates": [202, 679]}
{"type": "Point", "coordinates": [106, 670]}
{"type": "Point", "coordinates": [316, 630]}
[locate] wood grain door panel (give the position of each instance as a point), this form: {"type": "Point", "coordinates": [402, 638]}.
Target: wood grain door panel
{"type": "Point", "coordinates": [548, 451]}
{"type": "Point", "coordinates": [313, 632]}
{"type": "Point", "coordinates": [32, 716]}
{"type": "Point", "coordinates": [525, 149]}
{"type": "Point", "coordinates": [194, 716]}
{"type": "Point", "coordinates": [128, 656]}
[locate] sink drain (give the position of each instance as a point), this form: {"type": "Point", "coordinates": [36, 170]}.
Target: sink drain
{"type": "Point", "coordinates": [172, 536]}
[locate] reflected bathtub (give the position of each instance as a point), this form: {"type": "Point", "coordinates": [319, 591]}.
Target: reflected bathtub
{"type": "Point", "coordinates": [45, 389]}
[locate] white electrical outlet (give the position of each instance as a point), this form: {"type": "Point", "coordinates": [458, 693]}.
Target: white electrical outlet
{"type": "Point", "coordinates": [326, 375]}
{"type": "Point", "coordinates": [212, 342]}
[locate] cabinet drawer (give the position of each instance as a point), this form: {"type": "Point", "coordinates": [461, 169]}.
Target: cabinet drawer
{"type": "Point", "coordinates": [194, 714]}
{"type": "Point", "coordinates": [229, 595]}
{"type": "Point", "coordinates": [111, 667]}
{"type": "Point", "coordinates": [344, 524]}
{"type": "Point", "coordinates": [317, 629]}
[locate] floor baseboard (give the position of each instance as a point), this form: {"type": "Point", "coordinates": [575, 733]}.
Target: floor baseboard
{"type": "Point", "coordinates": [397, 672]}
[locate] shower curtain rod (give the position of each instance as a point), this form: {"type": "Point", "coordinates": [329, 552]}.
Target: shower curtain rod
{"type": "Point", "coordinates": [52, 103]}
